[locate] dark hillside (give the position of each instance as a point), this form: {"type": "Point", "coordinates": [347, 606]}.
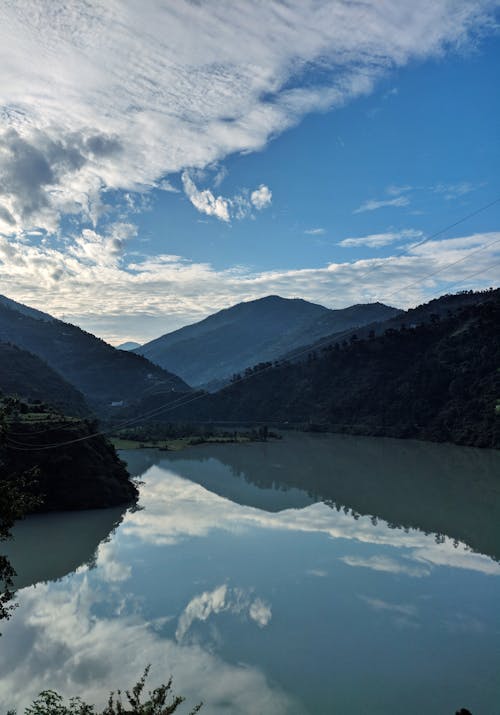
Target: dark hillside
{"type": "Point", "coordinates": [438, 308]}
{"type": "Point", "coordinates": [85, 474]}
{"type": "Point", "coordinates": [26, 376]}
{"type": "Point", "coordinates": [439, 381]}
{"type": "Point", "coordinates": [102, 373]}
{"type": "Point", "coordinates": [209, 352]}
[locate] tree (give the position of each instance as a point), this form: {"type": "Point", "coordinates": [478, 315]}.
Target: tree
{"type": "Point", "coordinates": [15, 502]}
{"type": "Point", "coordinates": [160, 701]}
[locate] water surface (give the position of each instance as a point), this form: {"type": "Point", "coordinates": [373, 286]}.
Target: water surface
{"type": "Point", "coordinates": [318, 574]}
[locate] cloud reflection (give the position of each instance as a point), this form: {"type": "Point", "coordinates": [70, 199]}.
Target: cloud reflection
{"type": "Point", "coordinates": [222, 598]}
{"type": "Point", "coordinates": [176, 509]}
{"type": "Point", "coordinates": [63, 642]}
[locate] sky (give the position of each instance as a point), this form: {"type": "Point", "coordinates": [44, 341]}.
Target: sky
{"type": "Point", "coordinates": [161, 161]}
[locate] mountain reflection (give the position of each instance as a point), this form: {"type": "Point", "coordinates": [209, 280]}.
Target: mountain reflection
{"type": "Point", "coordinates": [242, 572]}
{"type": "Point", "coordinates": [439, 489]}
{"type": "Point", "coordinates": [47, 547]}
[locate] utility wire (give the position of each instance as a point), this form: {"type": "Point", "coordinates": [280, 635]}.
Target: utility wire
{"type": "Point", "coordinates": [337, 336]}
{"type": "Point", "coordinates": [412, 246]}
{"type": "Point", "coordinates": [20, 446]}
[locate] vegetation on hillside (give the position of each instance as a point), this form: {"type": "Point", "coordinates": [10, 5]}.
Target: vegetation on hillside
{"type": "Point", "coordinates": [208, 352]}
{"type": "Point", "coordinates": [30, 378]}
{"type": "Point", "coordinates": [76, 467]}
{"type": "Point", "coordinates": [438, 308]}
{"type": "Point", "coordinates": [102, 373]}
{"type": "Point", "coordinates": [36, 477]}
{"type": "Point", "coordinates": [438, 381]}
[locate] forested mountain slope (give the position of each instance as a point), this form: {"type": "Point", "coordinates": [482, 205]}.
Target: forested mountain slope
{"type": "Point", "coordinates": [438, 381]}
{"type": "Point", "coordinates": [438, 308]}
{"type": "Point", "coordinates": [28, 377]}
{"type": "Point", "coordinates": [250, 332]}
{"type": "Point", "coordinates": [102, 373]}
{"type": "Point", "coordinates": [59, 460]}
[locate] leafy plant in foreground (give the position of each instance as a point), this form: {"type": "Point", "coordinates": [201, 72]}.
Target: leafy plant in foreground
{"type": "Point", "coordinates": [161, 701]}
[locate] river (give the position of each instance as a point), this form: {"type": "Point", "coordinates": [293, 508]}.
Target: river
{"type": "Point", "coordinates": [312, 575]}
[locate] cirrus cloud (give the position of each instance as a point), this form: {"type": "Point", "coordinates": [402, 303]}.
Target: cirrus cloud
{"type": "Point", "coordinates": [122, 95]}
{"type": "Point", "coordinates": [376, 240]}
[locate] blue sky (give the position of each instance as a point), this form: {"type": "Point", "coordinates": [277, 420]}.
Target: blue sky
{"type": "Point", "coordinates": [305, 149]}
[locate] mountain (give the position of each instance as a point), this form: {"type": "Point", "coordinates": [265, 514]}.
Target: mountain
{"type": "Point", "coordinates": [212, 350]}
{"type": "Point", "coordinates": [28, 377]}
{"type": "Point", "coordinates": [130, 345]}
{"type": "Point", "coordinates": [84, 530]}
{"type": "Point", "coordinates": [25, 309]}
{"type": "Point", "coordinates": [434, 309]}
{"type": "Point", "coordinates": [102, 373]}
{"type": "Point", "coordinates": [438, 381]}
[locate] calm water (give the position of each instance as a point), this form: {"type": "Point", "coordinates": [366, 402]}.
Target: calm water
{"type": "Point", "coordinates": [320, 574]}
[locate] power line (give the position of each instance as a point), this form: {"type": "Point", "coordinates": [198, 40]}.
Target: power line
{"type": "Point", "coordinates": [412, 246]}
{"type": "Point", "coordinates": [445, 268]}
{"type": "Point", "coordinates": [176, 404]}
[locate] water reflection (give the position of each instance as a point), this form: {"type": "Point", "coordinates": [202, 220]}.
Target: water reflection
{"type": "Point", "coordinates": [66, 641]}
{"type": "Point", "coordinates": [439, 489]}
{"type": "Point", "coordinates": [260, 597]}
{"type": "Point", "coordinates": [49, 546]}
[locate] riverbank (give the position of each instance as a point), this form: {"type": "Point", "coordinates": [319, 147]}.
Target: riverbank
{"type": "Point", "coordinates": [173, 438]}
{"type": "Point", "coordinates": [176, 444]}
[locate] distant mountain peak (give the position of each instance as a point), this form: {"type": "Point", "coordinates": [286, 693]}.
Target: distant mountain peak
{"type": "Point", "coordinates": [211, 351]}
{"type": "Point", "coordinates": [128, 345]}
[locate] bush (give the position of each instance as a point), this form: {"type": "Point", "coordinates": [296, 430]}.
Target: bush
{"type": "Point", "coordinates": [161, 701]}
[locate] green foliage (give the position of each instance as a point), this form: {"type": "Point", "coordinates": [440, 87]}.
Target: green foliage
{"type": "Point", "coordinates": [14, 503]}
{"type": "Point", "coordinates": [99, 371]}
{"type": "Point", "coordinates": [29, 377]}
{"type": "Point", "coordinates": [75, 467]}
{"type": "Point", "coordinates": [437, 381]}
{"type": "Point", "coordinates": [209, 352]}
{"type": "Point", "coordinates": [160, 701]}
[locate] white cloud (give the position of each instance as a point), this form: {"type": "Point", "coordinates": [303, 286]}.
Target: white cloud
{"type": "Point", "coordinates": [402, 609]}
{"type": "Point", "coordinates": [262, 197]}
{"type": "Point", "coordinates": [238, 206]}
{"type": "Point", "coordinates": [200, 608]}
{"type": "Point", "coordinates": [91, 282]}
{"type": "Point", "coordinates": [205, 201]}
{"type": "Point", "coordinates": [94, 249]}
{"type": "Point", "coordinates": [395, 190]}
{"type": "Point", "coordinates": [221, 174]}
{"type": "Point", "coordinates": [314, 231]}
{"type": "Point", "coordinates": [318, 573]}
{"type": "Point", "coordinates": [260, 612]}
{"type": "Point", "coordinates": [77, 652]}
{"type": "Point", "coordinates": [387, 565]}
{"type": "Point", "coordinates": [166, 185]}
{"type": "Point", "coordinates": [454, 191]}
{"type": "Point", "coordinates": [376, 240]}
{"type": "Point", "coordinates": [96, 97]}
{"type": "Point", "coordinates": [373, 204]}
{"type": "Point", "coordinates": [177, 508]}
{"type": "Point", "coordinates": [222, 599]}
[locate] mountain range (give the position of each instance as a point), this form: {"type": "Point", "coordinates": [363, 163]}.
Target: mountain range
{"type": "Point", "coordinates": [430, 372]}
{"type": "Point", "coordinates": [437, 380]}
{"type": "Point", "coordinates": [206, 354]}
{"type": "Point", "coordinates": [103, 374]}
